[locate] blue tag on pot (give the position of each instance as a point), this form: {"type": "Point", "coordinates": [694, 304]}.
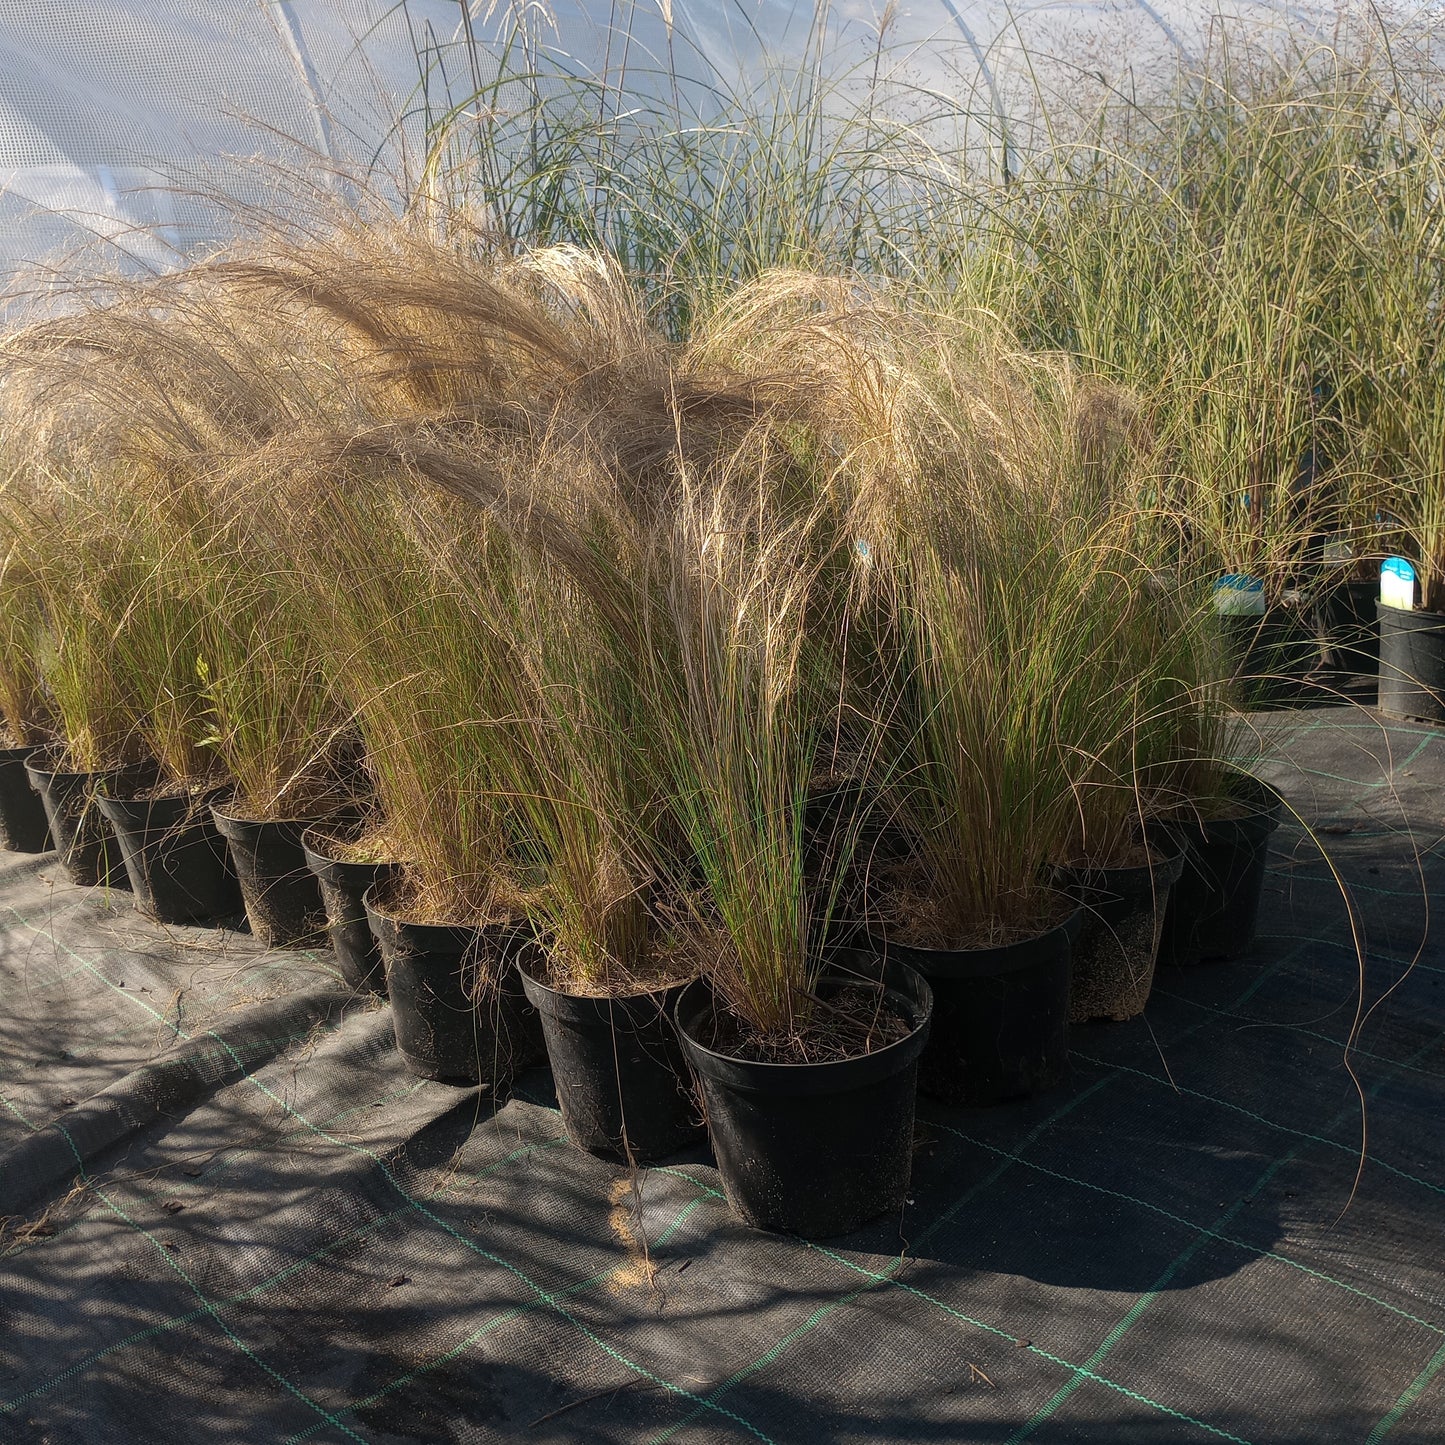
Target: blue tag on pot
{"type": "Point", "coordinates": [1237, 594]}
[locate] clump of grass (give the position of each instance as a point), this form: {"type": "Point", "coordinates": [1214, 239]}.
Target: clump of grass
{"type": "Point", "coordinates": [24, 709]}
{"type": "Point", "coordinates": [754, 687]}
{"type": "Point", "coordinates": [89, 574]}
{"type": "Point", "coordinates": [1012, 638]}
{"type": "Point", "coordinates": [157, 390]}
{"type": "Point", "coordinates": [1252, 251]}
{"type": "Point", "coordinates": [421, 669]}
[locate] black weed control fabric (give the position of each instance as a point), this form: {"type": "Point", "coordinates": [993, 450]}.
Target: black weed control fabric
{"type": "Point", "coordinates": [235, 1217]}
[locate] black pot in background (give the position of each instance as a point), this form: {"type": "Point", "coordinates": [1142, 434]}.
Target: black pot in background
{"type": "Point", "coordinates": [1000, 1015]}
{"type": "Point", "coordinates": [1412, 663]}
{"type": "Point", "coordinates": [24, 828]}
{"type": "Point", "coordinates": [343, 885]}
{"type": "Point", "coordinates": [848, 820]}
{"type": "Point", "coordinates": [1270, 656]}
{"type": "Point", "coordinates": [622, 1079]}
{"type": "Point", "coordinates": [1349, 625]}
{"type": "Point", "coordinates": [283, 900]}
{"type": "Point", "coordinates": [1118, 942]}
{"type": "Point", "coordinates": [1214, 906]}
{"type": "Point", "coordinates": [442, 1030]}
{"type": "Point", "coordinates": [177, 863]}
{"type": "Point", "coordinates": [812, 1149]}
{"type": "Point", "coordinates": [87, 849]}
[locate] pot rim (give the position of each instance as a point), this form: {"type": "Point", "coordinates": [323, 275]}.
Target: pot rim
{"type": "Point", "coordinates": [319, 861]}
{"type": "Point", "coordinates": [1166, 869]}
{"type": "Point", "coordinates": [40, 768]}
{"type": "Point", "coordinates": [530, 979]}
{"type": "Point", "coordinates": [1069, 925]}
{"type": "Point", "coordinates": [199, 804]}
{"type": "Point", "coordinates": [370, 900]}
{"type": "Point", "coordinates": [298, 824]}
{"type": "Point", "coordinates": [1436, 619]}
{"type": "Point", "coordinates": [314, 830]}
{"type": "Point", "coordinates": [764, 1075]}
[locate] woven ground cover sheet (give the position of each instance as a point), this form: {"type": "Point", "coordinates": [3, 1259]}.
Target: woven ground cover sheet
{"type": "Point", "coordinates": [232, 1216]}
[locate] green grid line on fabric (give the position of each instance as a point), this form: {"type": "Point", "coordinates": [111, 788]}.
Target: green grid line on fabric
{"type": "Point", "coordinates": [259, 1289]}
{"type": "Point", "coordinates": [1210, 1231]}
{"type": "Point", "coordinates": [974, 1191]}
{"type": "Point", "coordinates": [1356, 1052]}
{"type": "Point", "coordinates": [175, 1265]}
{"type": "Point", "coordinates": [1136, 1311]}
{"type": "Point", "coordinates": [517, 1312]}
{"type": "Point", "coordinates": [1166, 1409]}
{"type": "Point", "coordinates": [1258, 1118]}
{"type": "Point", "coordinates": [392, 1182]}
{"type": "Point", "coordinates": [1372, 954]}
{"type": "Point", "coordinates": [1408, 1396]}
{"type": "Point", "coordinates": [1043, 1354]}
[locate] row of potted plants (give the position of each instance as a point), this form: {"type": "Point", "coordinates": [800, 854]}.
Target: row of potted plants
{"type": "Point", "coordinates": [794, 710]}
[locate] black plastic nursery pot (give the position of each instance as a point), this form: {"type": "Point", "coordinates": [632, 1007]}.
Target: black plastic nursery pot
{"type": "Point", "coordinates": [1349, 625]}
{"type": "Point", "coordinates": [283, 899]}
{"type": "Point", "coordinates": [1270, 656]}
{"type": "Point", "coordinates": [343, 885]}
{"type": "Point", "coordinates": [1000, 1015]}
{"type": "Point", "coordinates": [622, 1078]}
{"type": "Point", "coordinates": [849, 818]}
{"type": "Point", "coordinates": [1412, 663]}
{"type": "Point", "coordinates": [176, 861]}
{"type": "Point", "coordinates": [1118, 942]}
{"type": "Point", "coordinates": [24, 828]}
{"type": "Point", "coordinates": [445, 1028]}
{"type": "Point", "coordinates": [812, 1149]}
{"type": "Point", "coordinates": [84, 843]}
{"type": "Point", "coordinates": [1214, 905]}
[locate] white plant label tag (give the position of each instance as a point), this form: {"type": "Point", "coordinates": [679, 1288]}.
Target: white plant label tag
{"type": "Point", "coordinates": [1397, 583]}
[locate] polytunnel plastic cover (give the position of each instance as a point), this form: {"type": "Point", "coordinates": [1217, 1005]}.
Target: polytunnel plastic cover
{"type": "Point", "coordinates": [122, 122]}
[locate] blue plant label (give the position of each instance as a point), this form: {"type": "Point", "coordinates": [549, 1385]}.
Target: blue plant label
{"type": "Point", "coordinates": [1397, 583]}
{"type": "Point", "coordinates": [1237, 594]}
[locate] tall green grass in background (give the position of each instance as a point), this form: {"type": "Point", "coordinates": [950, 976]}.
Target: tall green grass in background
{"type": "Point", "coordinates": [1255, 251]}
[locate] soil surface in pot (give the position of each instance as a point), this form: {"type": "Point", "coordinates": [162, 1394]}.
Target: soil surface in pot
{"type": "Point", "coordinates": [161, 792]}
{"type": "Point", "coordinates": [909, 911]}
{"type": "Point", "coordinates": [373, 849]}
{"type": "Point", "coordinates": [661, 971]}
{"type": "Point", "coordinates": [855, 1020]}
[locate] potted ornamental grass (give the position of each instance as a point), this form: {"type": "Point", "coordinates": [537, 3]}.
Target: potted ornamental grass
{"type": "Point", "coordinates": [807, 1072]}
{"type": "Point", "coordinates": [25, 714]}
{"type": "Point", "coordinates": [185, 381]}
{"type": "Point", "coordinates": [1215, 807]}
{"type": "Point", "coordinates": [1411, 605]}
{"type": "Point", "coordinates": [424, 675]}
{"type": "Point", "coordinates": [280, 731]}
{"type": "Point", "coordinates": [602, 850]}
{"type": "Point", "coordinates": [986, 490]}
{"type": "Point", "coordinates": [535, 392]}
{"type": "Point", "coordinates": [1127, 701]}
{"type": "Point", "coordinates": [514, 774]}
{"type": "Point", "coordinates": [155, 581]}
{"type": "Point", "coordinates": [56, 522]}
{"type": "Point", "coordinates": [975, 791]}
